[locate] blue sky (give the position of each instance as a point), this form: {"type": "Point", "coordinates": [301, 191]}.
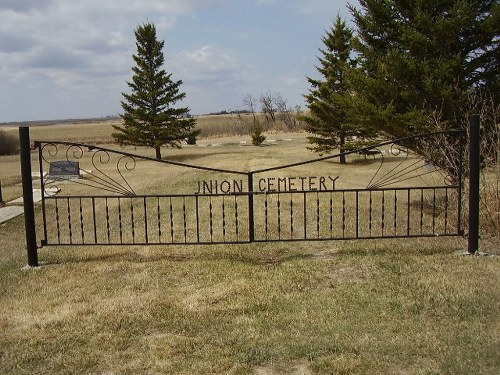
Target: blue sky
{"type": "Point", "coordinates": [71, 59]}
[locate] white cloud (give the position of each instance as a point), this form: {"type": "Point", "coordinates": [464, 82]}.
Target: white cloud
{"type": "Point", "coordinates": [321, 7]}
{"type": "Point", "coordinates": [67, 34]}
{"type": "Point", "coordinates": [206, 64]}
{"type": "Point", "coordinates": [78, 46]}
{"type": "Point", "coordinates": [65, 56]}
{"type": "Point", "coordinates": [291, 78]}
{"type": "Point", "coordinates": [24, 5]}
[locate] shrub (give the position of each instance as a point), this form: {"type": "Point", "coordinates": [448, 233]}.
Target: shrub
{"type": "Point", "coordinates": [9, 143]}
{"type": "Point", "coordinates": [257, 137]}
{"type": "Point", "coordinates": [191, 139]}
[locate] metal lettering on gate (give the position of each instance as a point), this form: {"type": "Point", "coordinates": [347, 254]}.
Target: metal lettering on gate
{"type": "Point", "coordinates": [120, 197]}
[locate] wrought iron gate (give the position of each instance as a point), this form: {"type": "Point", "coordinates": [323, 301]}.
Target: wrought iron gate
{"type": "Point", "coordinates": [107, 201]}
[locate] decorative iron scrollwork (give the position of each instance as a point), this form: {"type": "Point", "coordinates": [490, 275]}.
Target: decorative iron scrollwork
{"type": "Point", "coordinates": [412, 166]}
{"type": "Point", "coordinates": [98, 176]}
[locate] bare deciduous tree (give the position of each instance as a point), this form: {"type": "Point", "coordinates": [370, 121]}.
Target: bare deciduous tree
{"type": "Point", "coordinates": [268, 105]}
{"type": "Point", "coordinates": [286, 114]}
{"type": "Point", "coordinates": [250, 103]}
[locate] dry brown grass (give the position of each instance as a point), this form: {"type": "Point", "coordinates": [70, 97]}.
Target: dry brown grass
{"type": "Point", "coordinates": [345, 307]}
{"type": "Point", "coordinates": [99, 132]}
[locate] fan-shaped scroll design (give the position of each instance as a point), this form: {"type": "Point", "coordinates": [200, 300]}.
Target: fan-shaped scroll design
{"type": "Point", "coordinates": [99, 176]}
{"type": "Point", "coordinates": [105, 181]}
{"type": "Point", "coordinates": [411, 166]}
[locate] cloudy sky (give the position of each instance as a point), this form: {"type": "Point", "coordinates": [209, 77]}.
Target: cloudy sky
{"type": "Point", "coordinates": [71, 59]}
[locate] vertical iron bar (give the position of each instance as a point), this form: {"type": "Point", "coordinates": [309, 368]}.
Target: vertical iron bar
{"type": "Point", "coordinates": [291, 215]}
{"type": "Point", "coordinates": [434, 211]}
{"type": "Point", "coordinates": [370, 213]}
{"type": "Point", "coordinates": [211, 219]}
{"type": "Point", "coordinates": [171, 220]}
{"type": "Point", "coordinates": [317, 214]}
{"type": "Point", "coordinates": [446, 211]}
{"type": "Point", "coordinates": [474, 172]}
{"type": "Point", "coordinates": [184, 217]}
{"type": "Point", "coordinates": [94, 220]}
{"type": "Point", "coordinates": [236, 218]}
{"type": "Point", "coordinates": [159, 218]}
{"type": "Point", "coordinates": [331, 214]}
{"type": "Point", "coordinates": [265, 214]}
{"type": "Point", "coordinates": [305, 215]}
{"type": "Point", "coordinates": [120, 219]}
{"type": "Point", "coordinates": [107, 220]}
{"type": "Point", "coordinates": [408, 208]}
{"type": "Point", "coordinates": [42, 190]}
{"type": "Point", "coordinates": [279, 216]}
{"type": "Point", "coordinates": [223, 218]}
{"type": "Point", "coordinates": [251, 219]}
{"type": "Point", "coordinates": [421, 211]}
{"type": "Point", "coordinates": [357, 213]}
{"type": "Point", "coordinates": [383, 212]}
{"type": "Point", "coordinates": [69, 222]}
{"type": "Point", "coordinates": [58, 225]}
{"type": "Point", "coordinates": [81, 221]}
{"type": "Point", "coordinates": [29, 208]}
{"type": "Point", "coordinates": [395, 212]}
{"type": "Point", "coordinates": [343, 214]}
{"type": "Point", "coordinates": [132, 218]}
{"type": "Point", "coordinates": [145, 221]}
{"type": "Point", "coordinates": [197, 209]}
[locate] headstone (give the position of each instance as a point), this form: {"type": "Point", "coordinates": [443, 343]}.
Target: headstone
{"type": "Point", "coordinates": [64, 170]}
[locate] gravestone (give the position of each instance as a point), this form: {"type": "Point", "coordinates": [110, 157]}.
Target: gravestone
{"type": "Point", "coordinates": [64, 170]}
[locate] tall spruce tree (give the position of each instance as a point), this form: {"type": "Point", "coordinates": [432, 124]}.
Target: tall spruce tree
{"type": "Point", "coordinates": [149, 118]}
{"type": "Point", "coordinates": [327, 118]}
{"type": "Point", "coordinates": [422, 58]}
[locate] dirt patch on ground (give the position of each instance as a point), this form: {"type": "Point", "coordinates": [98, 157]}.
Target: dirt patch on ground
{"type": "Point", "coordinates": [298, 369]}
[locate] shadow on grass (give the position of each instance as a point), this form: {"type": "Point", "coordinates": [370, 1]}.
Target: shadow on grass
{"type": "Point", "coordinates": [257, 254]}
{"type": "Point", "coordinates": [140, 256]}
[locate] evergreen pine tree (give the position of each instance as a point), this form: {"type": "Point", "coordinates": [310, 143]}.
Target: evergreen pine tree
{"type": "Point", "coordinates": [327, 119]}
{"type": "Point", "coordinates": [420, 59]}
{"type": "Point", "coordinates": [149, 118]}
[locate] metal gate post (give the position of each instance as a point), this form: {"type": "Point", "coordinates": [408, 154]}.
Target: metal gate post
{"type": "Point", "coordinates": [474, 171]}
{"type": "Point", "coordinates": [29, 209]}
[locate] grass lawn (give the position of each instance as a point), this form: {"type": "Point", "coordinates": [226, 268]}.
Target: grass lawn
{"type": "Point", "coordinates": [335, 307]}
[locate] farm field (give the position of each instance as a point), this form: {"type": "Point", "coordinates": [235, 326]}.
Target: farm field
{"type": "Point", "coordinates": [405, 306]}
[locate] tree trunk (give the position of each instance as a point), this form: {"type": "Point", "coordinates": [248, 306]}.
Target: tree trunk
{"type": "Point", "coordinates": [343, 159]}
{"type": "Point", "coordinates": [158, 153]}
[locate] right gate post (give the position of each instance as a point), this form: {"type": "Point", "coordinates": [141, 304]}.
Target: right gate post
{"type": "Point", "coordinates": [474, 173]}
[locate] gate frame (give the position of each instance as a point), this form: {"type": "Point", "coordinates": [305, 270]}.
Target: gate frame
{"type": "Point", "coordinates": [474, 174]}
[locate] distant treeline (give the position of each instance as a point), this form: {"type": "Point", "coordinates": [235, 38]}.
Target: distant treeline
{"type": "Point", "coordinates": [57, 122]}
{"type": "Point", "coordinates": [235, 112]}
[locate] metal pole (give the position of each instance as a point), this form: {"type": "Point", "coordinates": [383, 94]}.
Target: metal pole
{"type": "Point", "coordinates": [251, 223]}
{"type": "Point", "coordinates": [1, 198]}
{"type": "Point", "coordinates": [474, 171]}
{"type": "Point", "coordinates": [29, 209]}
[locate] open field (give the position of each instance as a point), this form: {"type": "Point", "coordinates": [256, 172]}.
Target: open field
{"type": "Point", "coordinates": [99, 131]}
{"type": "Point", "coordinates": [408, 306]}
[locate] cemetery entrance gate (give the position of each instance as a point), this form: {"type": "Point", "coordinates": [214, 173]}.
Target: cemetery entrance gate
{"type": "Point", "coordinates": [119, 198]}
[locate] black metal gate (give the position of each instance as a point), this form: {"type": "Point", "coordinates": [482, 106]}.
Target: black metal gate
{"type": "Point", "coordinates": [99, 204]}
